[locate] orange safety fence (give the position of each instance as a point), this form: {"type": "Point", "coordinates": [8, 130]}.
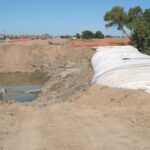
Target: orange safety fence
{"type": "Point", "coordinates": [103, 42]}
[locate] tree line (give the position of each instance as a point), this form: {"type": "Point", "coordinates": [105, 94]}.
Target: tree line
{"type": "Point", "coordinates": [89, 35]}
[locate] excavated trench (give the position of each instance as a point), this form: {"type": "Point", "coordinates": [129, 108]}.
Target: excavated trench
{"type": "Point", "coordinates": [22, 87]}
{"type": "Point", "coordinates": [64, 70]}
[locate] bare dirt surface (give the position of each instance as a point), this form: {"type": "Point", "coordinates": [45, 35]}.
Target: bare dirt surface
{"type": "Point", "coordinates": [99, 118]}
{"type": "Point", "coordinates": [37, 55]}
{"type": "Point", "coordinates": [70, 114]}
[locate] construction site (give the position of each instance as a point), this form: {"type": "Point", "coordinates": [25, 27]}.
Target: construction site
{"type": "Point", "coordinates": [77, 106]}
{"type": "Point", "coordinates": [75, 75]}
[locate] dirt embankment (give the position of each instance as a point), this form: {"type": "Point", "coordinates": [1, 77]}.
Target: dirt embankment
{"type": "Point", "coordinates": [67, 70]}
{"type": "Point", "coordinates": [99, 118]}
{"type": "Point", "coordinates": [96, 118]}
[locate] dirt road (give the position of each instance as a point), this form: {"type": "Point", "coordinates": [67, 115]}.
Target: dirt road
{"type": "Point", "coordinates": [97, 119]}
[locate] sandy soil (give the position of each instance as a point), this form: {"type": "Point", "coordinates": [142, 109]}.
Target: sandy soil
{"type": "Point", "coordinates": [36, 55]}
{"type": "Point", "coordinates": [70, 114]}
{"type": "Point", "coordinates": [100, 118]}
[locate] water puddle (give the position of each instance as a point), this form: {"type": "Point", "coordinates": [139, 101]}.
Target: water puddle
{"type": "Point", "coordinates": [22, 93]}
{"type": "Point", "coordinates": [22, 87]}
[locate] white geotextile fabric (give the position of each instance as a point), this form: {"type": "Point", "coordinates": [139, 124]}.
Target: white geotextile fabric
{"type": "Point", "coordinates": [122, 67]}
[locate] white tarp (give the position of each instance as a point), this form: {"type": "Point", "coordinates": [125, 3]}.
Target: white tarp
{"type": "Point", "coordinates": [122, 67]}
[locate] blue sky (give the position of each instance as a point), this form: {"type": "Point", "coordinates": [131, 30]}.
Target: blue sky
{"type": "Point", "coordinates": [59, 16]}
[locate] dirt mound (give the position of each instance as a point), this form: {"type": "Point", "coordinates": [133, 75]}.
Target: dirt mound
{"type": "Point", "coordinates": [101, 95]}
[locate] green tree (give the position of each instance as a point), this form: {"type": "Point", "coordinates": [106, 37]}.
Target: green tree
{"type": "Point", "coordinates": [87, 34]}
{"type": "Point", "coordinates": [99, 35]}
{"type": "Point", "coordinates": [139, 25]}
{"type": "Point", "coordinates": [108, 36]}
{"type": "Point", "coordinates": [117, 18]}
{"type": "Point", "coordinates": [66, 36]}
{"type": "Point", "coordinates": [134, 15]}
{"type": "Point", "coordinates": [78, 36]}
{"type": "Point", "coordinates": [136, 20]}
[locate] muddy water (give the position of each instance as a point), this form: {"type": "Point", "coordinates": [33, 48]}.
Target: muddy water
{"type": "Point", "coordinates": [22, 87]}
{"type": "Point", "coordinates": [22, 93]}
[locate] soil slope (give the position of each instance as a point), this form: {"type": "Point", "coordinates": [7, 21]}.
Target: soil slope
{"type": "Point", "coordinates": [37, 55]}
